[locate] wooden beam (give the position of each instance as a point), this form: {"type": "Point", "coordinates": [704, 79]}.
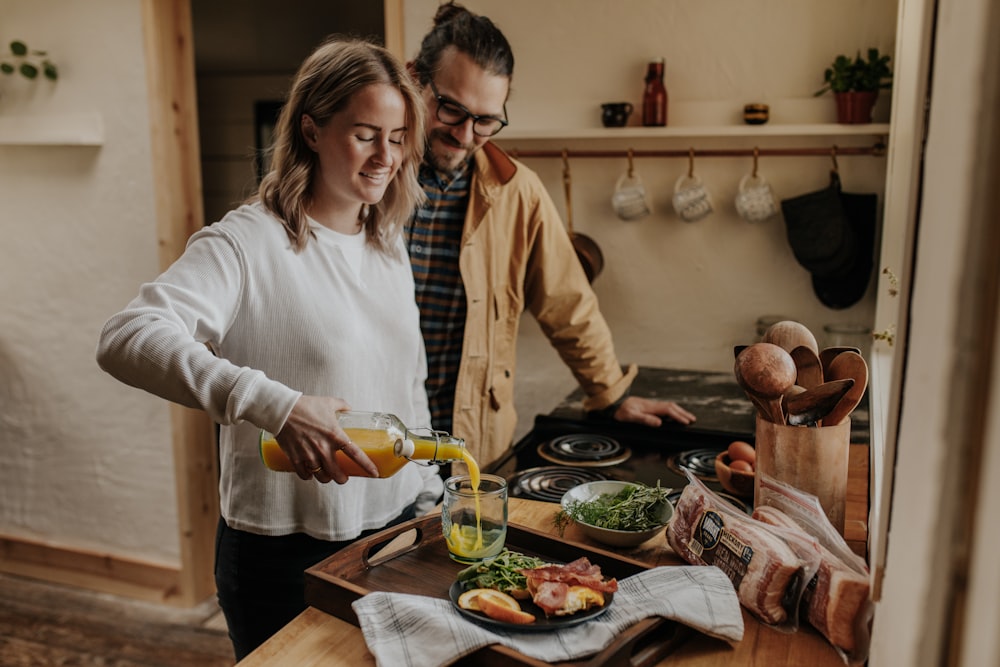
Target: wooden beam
{"type": "Point", "coordinates": [393, 19]}
{"type": "Point", "coordinates": [91, 570]}
{"type": "Point", "coordinates": [168, 32]}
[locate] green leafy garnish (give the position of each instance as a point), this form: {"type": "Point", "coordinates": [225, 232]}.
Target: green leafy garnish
{"type": "Point", "coordinates": [634, 508]}
{"type": "Point", "coordinates": [500, 572]}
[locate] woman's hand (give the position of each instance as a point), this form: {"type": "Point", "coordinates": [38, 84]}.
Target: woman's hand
{"type": "Point", "coordinates": [312, 434]}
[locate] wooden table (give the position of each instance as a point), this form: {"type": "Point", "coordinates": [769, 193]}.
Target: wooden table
{"type": "Point", "coordinates": [316, 638]}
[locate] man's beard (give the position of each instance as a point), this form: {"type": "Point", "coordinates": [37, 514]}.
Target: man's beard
{"type": "Point", "coordinates": [447, 161]}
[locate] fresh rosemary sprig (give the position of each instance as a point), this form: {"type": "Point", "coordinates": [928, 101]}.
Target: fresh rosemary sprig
{"type": "Point", "coordinates": [634, 508]}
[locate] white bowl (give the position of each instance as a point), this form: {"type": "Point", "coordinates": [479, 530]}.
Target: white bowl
{"type": "Point", "coordinates": [615, 538]}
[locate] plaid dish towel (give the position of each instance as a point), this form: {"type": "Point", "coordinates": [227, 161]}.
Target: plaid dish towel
{"type": "Point", "coordinates": [419, 631]}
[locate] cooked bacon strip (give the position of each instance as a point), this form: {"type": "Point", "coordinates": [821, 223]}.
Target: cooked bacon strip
{"type": "Point", "coordinates": [578, 573]}
{"type": "Point", "coordinates": [550, 596]}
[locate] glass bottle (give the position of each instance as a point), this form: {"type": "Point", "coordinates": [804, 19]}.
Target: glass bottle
{"type": "Point", "coordinates": [849, 335]}
{"type": "Point", "coordinates": [654, 98]}
{"type": "Point", "coordinates": [386, 441]}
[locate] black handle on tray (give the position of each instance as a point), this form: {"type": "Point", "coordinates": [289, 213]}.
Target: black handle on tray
{"type": "Point", "coordinates": [656, 642]}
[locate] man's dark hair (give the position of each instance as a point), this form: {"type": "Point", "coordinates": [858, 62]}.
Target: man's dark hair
{"type": "Point", "coordinates": [472, 34]}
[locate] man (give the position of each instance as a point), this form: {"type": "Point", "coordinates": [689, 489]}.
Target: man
{"type": "Point", "coordinates": [488, 244]}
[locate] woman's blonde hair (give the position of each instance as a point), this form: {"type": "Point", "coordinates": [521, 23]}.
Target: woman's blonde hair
{"type": "Point", "coordinates": [325, 84]}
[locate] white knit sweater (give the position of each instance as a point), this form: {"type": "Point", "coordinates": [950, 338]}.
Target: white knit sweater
{"type": "Point", "coordinates": [337, 319]}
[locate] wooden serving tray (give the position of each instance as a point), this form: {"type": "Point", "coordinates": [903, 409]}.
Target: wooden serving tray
{"type": "Point", "coordinates": [413, 558]}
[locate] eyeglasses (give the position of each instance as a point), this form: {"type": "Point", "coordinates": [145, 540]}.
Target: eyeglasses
{"type": "Point", "coordinates": [452, 113]}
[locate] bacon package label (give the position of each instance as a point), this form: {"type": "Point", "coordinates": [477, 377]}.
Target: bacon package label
{"type": "Point", "coordinates": [717, 546]}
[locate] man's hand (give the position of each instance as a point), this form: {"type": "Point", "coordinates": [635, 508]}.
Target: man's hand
{"type": "Point", "coordinates": [651, 411]}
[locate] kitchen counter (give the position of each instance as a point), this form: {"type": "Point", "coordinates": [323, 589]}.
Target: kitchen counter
{"type": "Point", "coordinates": [317, 638]}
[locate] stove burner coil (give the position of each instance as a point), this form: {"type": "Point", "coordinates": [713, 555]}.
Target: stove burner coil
{"type": "Point", "coordinates": [699, 462]}
{"type": "Point", "coordinates": [584, 450]}
{"type": "Point", "coordinates": [549, 483]}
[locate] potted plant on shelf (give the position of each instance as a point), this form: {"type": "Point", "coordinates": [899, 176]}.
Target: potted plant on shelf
{"type": "Point", "coordinates": [855, 84]}
{"type": "Point", "coordinates": [28, 63]}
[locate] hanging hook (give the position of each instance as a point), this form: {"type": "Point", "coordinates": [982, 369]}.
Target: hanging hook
{"type": "Point", "coordinates": [631, 166]}
{"type": "Point", "coordinates": [691, 162]}
{"type": "Point", "coordinates": [568, 189]}
{"type": "Point", "coordinates": [833, 155]}
{"type": "Point", "coordinates": [756, 154]}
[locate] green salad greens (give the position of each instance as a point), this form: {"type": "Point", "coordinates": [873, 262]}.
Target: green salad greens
{"type": "Point", "coordinates": [634, 508]}
{"type": "Point", "coordinates": [500, 572]}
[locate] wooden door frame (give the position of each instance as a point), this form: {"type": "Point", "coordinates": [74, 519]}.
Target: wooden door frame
{"type": "Point", "coordinates": [169, 39]}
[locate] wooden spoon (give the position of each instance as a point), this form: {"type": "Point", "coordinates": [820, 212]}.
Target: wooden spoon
{"type": "Point", "coordinates": [794, 390]}
{"type": "Point", "coordinates": [810, 406]}
{"type": "Point", "coordinates": [765, 372]}
{"type": "Point", "coordinates": [847, 365]}
{"type": "Point", "coordinates": [789, 334]}
{"type": "Point", "coordinates": [827, 354]}
{"type": "Point", "coordinates": [809, 373]}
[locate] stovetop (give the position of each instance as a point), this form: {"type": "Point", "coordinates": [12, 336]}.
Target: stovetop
{"type": "Point", "coordinates": [656, 457]}
{"type": "Point", "coordinates": [567, 447]}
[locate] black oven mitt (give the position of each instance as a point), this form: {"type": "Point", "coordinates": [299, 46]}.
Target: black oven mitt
{"type": "Point", "coordinates": [832, 235]}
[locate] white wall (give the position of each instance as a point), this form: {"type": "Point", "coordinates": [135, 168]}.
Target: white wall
{"type": "Point", "coordinates": [87, 461]}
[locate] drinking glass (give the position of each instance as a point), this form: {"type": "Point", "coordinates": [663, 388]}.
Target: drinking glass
{"type": "Point", "coordinates": [474, 521]}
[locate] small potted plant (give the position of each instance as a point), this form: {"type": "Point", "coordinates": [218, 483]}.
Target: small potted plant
{"type": "Point", "coordinates": [855, 84]}
{"type": "Point", "coordinates": [27, 63]}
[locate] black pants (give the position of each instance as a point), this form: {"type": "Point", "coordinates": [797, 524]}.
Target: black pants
{"type": "Point", "coordinates": [261, 580]}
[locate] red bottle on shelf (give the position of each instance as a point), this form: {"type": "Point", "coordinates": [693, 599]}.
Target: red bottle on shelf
{"type": "Point", "coordinates": [654, 98]}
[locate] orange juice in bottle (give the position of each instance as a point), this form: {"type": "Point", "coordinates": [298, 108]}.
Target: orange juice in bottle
{"type": "Point", "coordinates": [386, 441]}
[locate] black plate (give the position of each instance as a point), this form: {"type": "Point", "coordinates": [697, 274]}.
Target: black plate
{"type": "Point", "coordinates": [542, 622]}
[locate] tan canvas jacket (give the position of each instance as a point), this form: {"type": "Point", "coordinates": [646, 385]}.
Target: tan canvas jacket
{"type": "Point", "coordinates": [517, 254]}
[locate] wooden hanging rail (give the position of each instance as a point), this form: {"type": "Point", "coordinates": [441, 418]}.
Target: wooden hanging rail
{"type": "Point", "coordinates": [875, 150]}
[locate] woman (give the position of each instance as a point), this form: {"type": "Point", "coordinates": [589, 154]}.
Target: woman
{"type": "Point", "coordinates": [298, 297]}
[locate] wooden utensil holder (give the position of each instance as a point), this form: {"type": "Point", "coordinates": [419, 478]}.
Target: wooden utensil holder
{"type": "Point", "coordinates": [812, 459]}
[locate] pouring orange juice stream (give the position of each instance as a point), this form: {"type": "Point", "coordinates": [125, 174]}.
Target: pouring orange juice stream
{"type": "Point", "coordinates": [385, 447]}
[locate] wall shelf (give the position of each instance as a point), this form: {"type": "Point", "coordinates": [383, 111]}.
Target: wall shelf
{"type": "Point", "coordinates": [69, 129]}
{"type": "Point", "coordinates": [696, 131]}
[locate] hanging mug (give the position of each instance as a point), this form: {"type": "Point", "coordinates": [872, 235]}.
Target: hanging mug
{"type": "Point", "coordinates": [629, 199]}
{"type": "Point", "coordinates": [691, 199]}
{"type": "Point", "coordinates": [755, 200]}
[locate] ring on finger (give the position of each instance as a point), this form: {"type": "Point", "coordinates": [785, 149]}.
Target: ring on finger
{"type": "Point", "coordinates": [316, 469]}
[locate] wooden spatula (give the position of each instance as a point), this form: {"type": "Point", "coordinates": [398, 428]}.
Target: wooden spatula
{"type": "Point", "coordinates": [827, 354]}
{"type": "Point", "coordinates": [809, 373]}
{"type": "Point", "coordinates": [811, 406]}
{"type": "Point", "coordinates": [847, 365]}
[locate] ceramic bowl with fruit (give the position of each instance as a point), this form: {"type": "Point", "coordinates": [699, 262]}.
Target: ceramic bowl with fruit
{"type": "Point", "coordinates": [735, 467]}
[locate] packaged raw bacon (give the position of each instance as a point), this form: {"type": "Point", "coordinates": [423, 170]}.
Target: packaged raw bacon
{"type": "Point", "coordinates": [805, 509]}
{"type": "Point", "coordinates": [769, 575]}
{"type": "Point", "coordinates": [837, 599]}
